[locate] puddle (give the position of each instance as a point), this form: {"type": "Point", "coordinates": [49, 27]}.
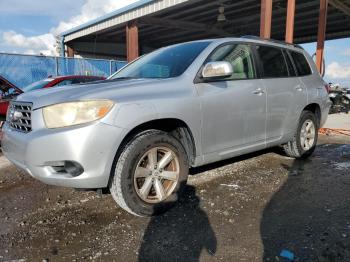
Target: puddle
{"type": "Point", "coordinates": [342, 166]}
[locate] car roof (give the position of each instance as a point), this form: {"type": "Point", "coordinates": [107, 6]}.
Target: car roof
{"type": "Point", "coordinates": [254, 39]}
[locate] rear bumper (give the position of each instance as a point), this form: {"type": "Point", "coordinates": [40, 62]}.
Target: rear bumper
{"type": "Point", "coordinates": [325, 112]}
{"type": "Point", "coordinates": [92, 146]}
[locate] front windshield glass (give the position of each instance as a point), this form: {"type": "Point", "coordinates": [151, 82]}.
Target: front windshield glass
{"type": "Point", "coordinates": [8, 93]}
{"type": "Point", "coordinates": [36, 85]}
{"type": "Point", "coordinates": [164, 63]}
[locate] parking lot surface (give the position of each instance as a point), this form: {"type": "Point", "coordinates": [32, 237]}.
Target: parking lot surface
{"type": "Point", "coordinates": [246, 209]}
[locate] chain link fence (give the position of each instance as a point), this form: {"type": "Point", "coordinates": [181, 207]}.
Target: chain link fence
{"type": "Point", "coordinates": [22, 70]}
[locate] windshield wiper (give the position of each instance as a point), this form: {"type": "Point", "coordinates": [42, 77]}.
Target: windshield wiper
{"type": "Point", "coordinates": [124, 78]}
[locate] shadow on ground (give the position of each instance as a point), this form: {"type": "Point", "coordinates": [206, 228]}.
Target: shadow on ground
{"type": "Point", "coordinates": [309, 215]}
{"type": "Point", "coordinates": [180, 234]}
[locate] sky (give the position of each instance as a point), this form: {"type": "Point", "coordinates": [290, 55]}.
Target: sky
{"type": "Point", "coordinates": [30, 27]}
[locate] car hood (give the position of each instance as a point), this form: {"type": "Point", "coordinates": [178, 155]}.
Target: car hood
{"type": "Point", "coordinates": [115, 90]}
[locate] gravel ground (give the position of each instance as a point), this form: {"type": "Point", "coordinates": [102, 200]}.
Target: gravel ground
{"type": "Point", "coordinates": [246, 209]}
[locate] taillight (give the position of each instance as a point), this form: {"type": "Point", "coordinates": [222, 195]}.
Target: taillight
{"type": "Point", "coordinates": [328, 88]}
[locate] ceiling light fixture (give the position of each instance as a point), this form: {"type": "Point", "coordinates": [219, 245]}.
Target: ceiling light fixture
{"type": "Point", "coordinates": [221, 16]}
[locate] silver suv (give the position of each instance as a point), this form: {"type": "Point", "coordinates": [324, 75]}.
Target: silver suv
{"type": "Point", "coordinates": [182, 106]}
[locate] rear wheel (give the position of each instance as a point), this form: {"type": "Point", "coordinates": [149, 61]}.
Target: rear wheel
{"type": "Point", "coordinates": [305, 139]}
{"type": "Point", "coordinates": [150, 173]}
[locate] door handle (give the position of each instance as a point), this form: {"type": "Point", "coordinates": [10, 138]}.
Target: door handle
{"type": "Point", "coordinates": [258, 91]}
{"type": "Point", "coordinates": [299, 88]}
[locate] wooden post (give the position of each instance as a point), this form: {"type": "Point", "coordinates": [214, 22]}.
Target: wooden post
{"type": "Point", "coordinates": [290, 21]}
{"type": "Point", "coordinates": [70, 51]}
{"type": "Point", "coordinates": [321, 35]}
{"type": "Point", "coordinates": [265, 18]}
{"type": "Point", "coordinates": [132, 41]}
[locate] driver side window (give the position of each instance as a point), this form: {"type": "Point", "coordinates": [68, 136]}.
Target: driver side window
{"type": "Point", "coordinates": [240, 57]}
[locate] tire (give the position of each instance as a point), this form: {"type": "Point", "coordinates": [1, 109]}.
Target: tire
{"type": "Point", "coordinates": [294, 148]}
{"type": "Point", "coordinates": [126, 187]}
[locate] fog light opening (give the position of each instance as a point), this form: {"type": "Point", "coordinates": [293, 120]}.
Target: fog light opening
{"type": "Point", "coordinates": [67, 167]}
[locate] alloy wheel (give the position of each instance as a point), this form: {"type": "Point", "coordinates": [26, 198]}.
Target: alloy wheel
{"type": "Point", "coordinates": [156, 175]}
{"type": "Point", "coordinates": [307, 135]}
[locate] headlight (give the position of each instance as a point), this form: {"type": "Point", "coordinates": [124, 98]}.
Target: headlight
{"type": "Point", "coordinates": [75, 113]}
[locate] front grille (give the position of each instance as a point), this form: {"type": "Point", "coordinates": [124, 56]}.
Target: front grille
{"type": "Point", "coordinates": [20, 116]}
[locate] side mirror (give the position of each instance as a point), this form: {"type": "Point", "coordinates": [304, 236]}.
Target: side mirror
{"type": "Point", "coordinates": [219, 69]}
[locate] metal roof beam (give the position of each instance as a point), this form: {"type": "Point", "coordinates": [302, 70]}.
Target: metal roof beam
{"type": "Point", "coordinates": [185, 25]}
{"type": "Point", "coordinates": [204, 10]}
{"type": "Point", "coordinates": [340, 6]}
{"type": "Point", "coordinates": [329, 36]}
{"type": "Point", "coordinates": [310, 27]}
{"type": "Point", "coordinates": [278, 15]}
{"type": "Point", "coordinates": [120, 17]}
{"type": "Point", "coordinates": [305, 20]}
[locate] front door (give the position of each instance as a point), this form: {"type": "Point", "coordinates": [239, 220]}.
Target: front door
{"type": "Point", "coordinates": [233, 109]}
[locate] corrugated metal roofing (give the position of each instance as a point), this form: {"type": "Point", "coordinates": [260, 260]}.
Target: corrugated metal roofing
{"type": "Point", "coordinates": [120, 16]}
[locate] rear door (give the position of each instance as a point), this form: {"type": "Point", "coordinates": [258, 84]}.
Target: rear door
{"type": "Point", "coordinates": [234, 109]}
{"type": "Point", "coordinates": [284, 92]}
{"type": "Point", "coordinates": [301, 92]}
{"type": "Point", "coordinates": [310, 81]}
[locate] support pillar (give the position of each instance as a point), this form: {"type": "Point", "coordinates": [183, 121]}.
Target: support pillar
{"type": "Point", "coordinates": [132, 41]}
{"type": "Point", "coordinates": [290, 21]}
{"type": "Point", "coordinates": [265, 18]}
{"type": "Point", "coordinates": [321, 35]}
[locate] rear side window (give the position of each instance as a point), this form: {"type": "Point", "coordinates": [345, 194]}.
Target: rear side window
{"type": "Point", "coordinates": [301, 64]}
{"type": "Point", "coordinates": [289, 64]}
{"type": "Point", "coordinates": [273, 62]}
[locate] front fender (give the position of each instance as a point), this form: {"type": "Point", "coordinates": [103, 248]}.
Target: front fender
{"type": "Point", "coordinates": [128, 116]}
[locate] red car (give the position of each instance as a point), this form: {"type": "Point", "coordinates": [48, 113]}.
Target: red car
{"type": "Point", "coordinates": [8, 90]}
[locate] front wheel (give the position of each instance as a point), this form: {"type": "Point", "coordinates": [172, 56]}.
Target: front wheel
{"type": "Point", "coordinates": [304, 142]}
{"type": "Point", "coordinates": [150, 173]}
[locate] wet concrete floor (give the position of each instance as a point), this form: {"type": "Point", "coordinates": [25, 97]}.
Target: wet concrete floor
{"type": "Point", "coordinates": [246, 209]}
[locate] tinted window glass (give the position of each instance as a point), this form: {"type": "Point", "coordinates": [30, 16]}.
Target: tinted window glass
{"type": "Point", "coordinates": [36, 85]}
{"type": "Point", "coordinates": [78, 80]}
{"type": "Point", "coordinates": [272, 61]}
{"type": "Point", "coordinates": [301, 64]}
{"type": "Point", "coordinates": [65, 82]}
{"type": "Point", "coordinates": [240, 57]}
{"type": "Point", "coordinates": [90, 79]}
{"type": "Point", "coordinates": [291, 69]}
{"type": "Point", "coordinates": [8, 93]}
{"type": "Point", "coordinates": [164, 63]}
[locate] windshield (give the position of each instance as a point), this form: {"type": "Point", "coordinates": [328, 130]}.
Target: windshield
{"type": "Point", "coordinates": [36, 85]}
{"type": "Point", "coordinates": [164, 63]}
{"type": "Point", "coordinates": [9, 93]}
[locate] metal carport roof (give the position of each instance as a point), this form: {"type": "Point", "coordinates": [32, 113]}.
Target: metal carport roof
{"type": "Point", "coordinates": [164, 22]}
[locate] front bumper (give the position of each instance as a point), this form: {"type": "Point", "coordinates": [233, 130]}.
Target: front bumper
{"type": "Point", "coordinates": [92, 146]}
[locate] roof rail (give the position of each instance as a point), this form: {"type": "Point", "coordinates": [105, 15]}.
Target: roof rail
{"type": "Point", "coordinates": [253, 37]}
